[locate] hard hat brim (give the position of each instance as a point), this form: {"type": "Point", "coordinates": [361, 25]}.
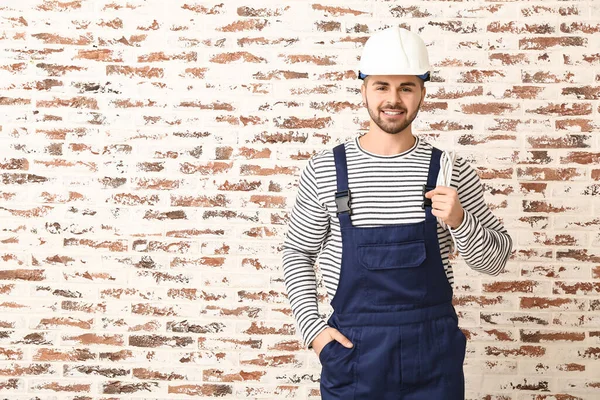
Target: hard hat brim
{"type": "Point", "coordinates": [425, 77]}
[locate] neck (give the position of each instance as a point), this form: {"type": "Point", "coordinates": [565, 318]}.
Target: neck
{"type": "Point", "coordinates": [385, 144]}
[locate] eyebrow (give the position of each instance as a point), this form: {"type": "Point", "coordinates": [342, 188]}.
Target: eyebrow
{"type": "Point", "coordinates": [382, 83]}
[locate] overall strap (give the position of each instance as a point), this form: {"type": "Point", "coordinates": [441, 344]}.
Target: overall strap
{"type": "Point", "coordinates": [342, 196]}
{"type": "Point", "coordinates": [434, 170]}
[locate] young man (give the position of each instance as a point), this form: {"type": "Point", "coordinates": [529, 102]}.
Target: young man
{"type": "Point", "coordinates": [372, 209]}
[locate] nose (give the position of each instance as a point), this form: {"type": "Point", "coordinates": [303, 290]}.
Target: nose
{"type": "Point", "coordinates": [394, 98]}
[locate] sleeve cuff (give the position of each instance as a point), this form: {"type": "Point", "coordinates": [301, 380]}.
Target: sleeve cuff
{"type": "Point", "coordinates": [462, 231]}
{"type": "Point", "coordinates": [316, 327]}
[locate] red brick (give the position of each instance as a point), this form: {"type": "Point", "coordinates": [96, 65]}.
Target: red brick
{"type": "Point", "coordinates": [309, 59]}
{"type": "Point", "coordinates": [160, 341]}
{"type": "Point", "coordinates": [528, 336]}
{"type": "Point", "coordinates": [245, 25]}
{"type": "Point", "coordinates": [88, 339]}
{"type": "Point", "coordinates": [7, 101]}
{"type": "Point", "coordinates": [328, 26]}
{"type": "Point", "coordinates": [261, 12]}
{"type": "Point", "coordinates": [143, 72]}
{"type": "Point", "coordinates": [481, 76]}
{"type": "Point", "coordinates": [506, 287]}
{"type": "Point", "coordinates": [194, 72]}
{"type": "Point", "coordinates": [50, 38]}
{"type": "Point", "coordinates": [118, 387]}
{"type": "Point", "coordinates": [215, 375]}
{"type": "Point", "coordinates": [207, 389]}
{"type": "Point", "coordinates": [567, 141]}
{"type": "Point", "coordinates": [62, 355]}
{"type": "Point", "coordinates": [104, 55]}
{"type": "Point", "coordinates": [56, 5]}
{"type": "Point", "coordinates": [215, 10]}
{"type": "Point", "coordinates": [578, 288]}
{"type": "Point", "coordinates": [579, 27]}
{"type": "Point", "coordinates": [118, 245]}
{"type": "Point", "coordinates": [522, 351]}
{"type": "Point", "coordinates": [550, 303]}
{"type": "Point", "coordinates": [26, 369]}
{"type": "Point", "coordinates": [337, 11]}
{"type": "Point", "coordinates": [513, 27]}
{"type": "Point", "coordinates": [62, 387]}
{"type": "Point", "coordinates": [545, 43]}
{"type": "Point", "coordinates": [133, 40]}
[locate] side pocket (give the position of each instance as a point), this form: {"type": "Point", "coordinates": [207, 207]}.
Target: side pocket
{"type": "Point", "coordinates": [334, 349]}
{"type": "Point", "coordinates": [322, 354]}
{"type": "Point", "coordinates": [338, 372]}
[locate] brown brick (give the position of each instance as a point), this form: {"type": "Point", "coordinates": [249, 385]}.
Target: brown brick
{"type": "Point", "coordinates": [94, 339]}
{"type": "Point", "coordinates": [579, 288]}
{"type": "Point", "coordinates": [528, 336]}
{"type": "Point", "coordinates": [160, 341]}
{"type": "Point", "coordinates": [513, 27]}
{"type": "Point", "coordinates": [481, 76]}
{"type": "Point", "coordinates": [337, 11]}
{"type": "Point", "coordinates": [94, 370]}
{"type": "Point", "coordinates": [23, 274]}
{"type": "Point", "coordinates": [61, 355]}
{"type": "Point", "coordinates": [118, 387]}
{"type": "Point", "coordinates": [522, 351]}
{"type": "Point", "coordinates": [143, 72]}
{"type": "Point", "coordinates": [56, 5]}
{"type": "Point", "coordinates": [7, 101]}
{"type": "Point", "coordinates": [25, 370]}
{"type": "Point", "coordinates": [579, 27]}
{"type": "Point", "coordinates": [207, 389]}
{"type": "Point", "coordinates": [245, 25]}
{"type": "Point", "coordinates": [550, 42]}
{"type": "Point", "coordinates": [215, 10]}
{"type": "Point", "coordinates": [216, 375]}
{"type": "Point", "coordinates": [328, 26]}
{"type": "Point", "coordinates": [104, 55]}
{"type": "Point", "coordinates": [120, 245]}
{"type": "Point", "coordinates": [50, 38]}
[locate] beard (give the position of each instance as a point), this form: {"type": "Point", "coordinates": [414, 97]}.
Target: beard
{"type": "Point", "coordinates": [392, 127]}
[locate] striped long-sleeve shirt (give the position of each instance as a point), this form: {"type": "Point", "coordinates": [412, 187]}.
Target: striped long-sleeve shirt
{"type": "Point", "coordinates": [385, 190]}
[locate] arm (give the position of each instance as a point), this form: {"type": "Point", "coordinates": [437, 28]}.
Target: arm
{"type": "Point", "coordinates": [481, 238]}
{"type": "Point", "coordinates": [307, 229]}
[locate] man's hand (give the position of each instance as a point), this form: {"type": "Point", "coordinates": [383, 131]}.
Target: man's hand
{"type": "Point", "coordinates": [328, 335]}
{"type": "Point", "coordinates": [445, 205]}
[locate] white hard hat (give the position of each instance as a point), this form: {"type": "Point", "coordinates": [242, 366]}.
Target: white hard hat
{"type": "Point", "coordinates": [394, 51]}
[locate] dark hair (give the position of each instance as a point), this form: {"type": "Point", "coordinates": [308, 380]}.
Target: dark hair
{"type": "Point", "coordinates": [366, 77]}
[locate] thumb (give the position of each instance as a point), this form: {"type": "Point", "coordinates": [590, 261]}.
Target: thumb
{"type": "Point", "coordinates": [343, 340]}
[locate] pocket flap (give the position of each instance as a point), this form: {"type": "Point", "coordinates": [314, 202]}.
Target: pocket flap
{"type": "Point", "coordinates": [394, 255]}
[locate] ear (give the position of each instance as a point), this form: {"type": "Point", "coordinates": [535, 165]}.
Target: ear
{"type": "Point", "coordinates": [363, 92]}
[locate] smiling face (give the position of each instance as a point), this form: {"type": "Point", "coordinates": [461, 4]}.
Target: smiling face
{"type": "Point", "coordinates": [393, 101]}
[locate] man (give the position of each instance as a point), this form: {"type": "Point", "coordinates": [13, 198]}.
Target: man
{"type": "Point", "coordinates": [372, 209]}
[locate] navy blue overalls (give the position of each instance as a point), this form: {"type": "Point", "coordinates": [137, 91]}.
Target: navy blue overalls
{"type": "Point", "coordinates": [394, 302]}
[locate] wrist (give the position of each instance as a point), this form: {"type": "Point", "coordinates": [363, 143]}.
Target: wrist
{"type": "Point", "coordinates": [459, 222]}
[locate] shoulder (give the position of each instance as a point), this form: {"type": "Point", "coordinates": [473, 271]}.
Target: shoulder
{"type": "Point", "coordinates": [325, 158]}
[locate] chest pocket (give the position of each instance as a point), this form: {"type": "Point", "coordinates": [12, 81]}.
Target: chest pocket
{"type": "Point", "coordinates": [394, 273]}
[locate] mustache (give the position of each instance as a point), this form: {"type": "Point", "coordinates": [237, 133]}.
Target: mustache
{"type": "Point", "coordinates": [393, 108]}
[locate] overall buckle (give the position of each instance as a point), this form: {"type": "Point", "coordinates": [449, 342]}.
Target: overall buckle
{"type": "Point", "coordinates": [342, 201]}
{"type": "Point", "coordinates": [426, 201]}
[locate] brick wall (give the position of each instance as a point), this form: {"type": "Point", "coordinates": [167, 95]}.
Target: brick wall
{"type": "Point", "coordinates": [150, 153]}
